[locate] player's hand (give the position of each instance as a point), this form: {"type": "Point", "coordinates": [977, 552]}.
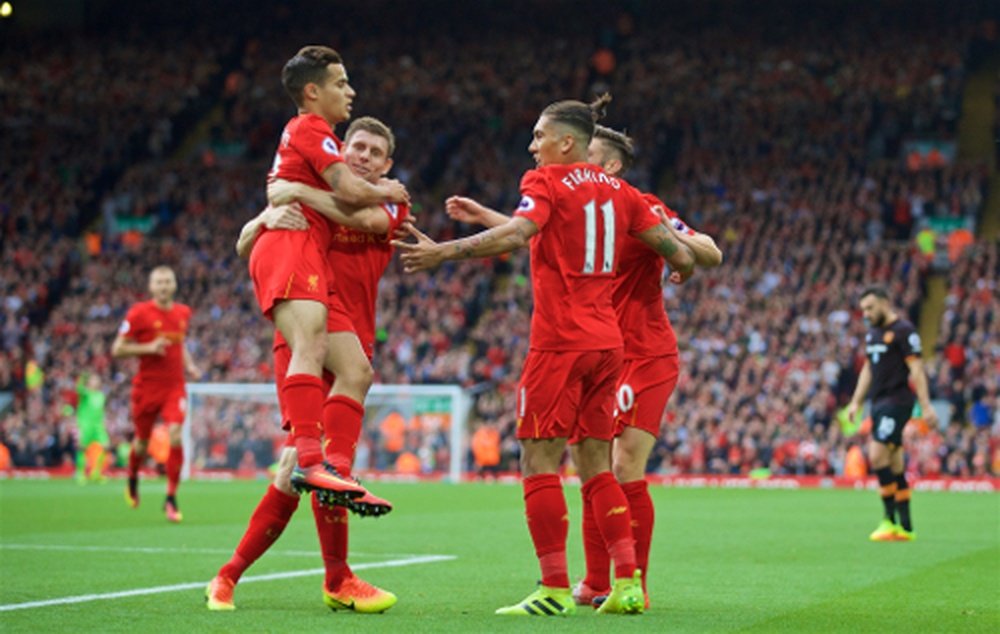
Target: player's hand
{"type": "Point", "coordinates": [852, 411]}
{"type": "Point", "coordinates": [394, 191]}
{"type": "Point", "coordinates": [463, 209]}
{"type": "Point", "coordinates": [930, 416]}
{"type": "Point", "coordinates": [681, 275]}
{"type": "Point", "coordinates": [420, 255]}
{"type": "Point", "coordinates": [281, 192]}
{"type": "Point", "coordinates": [288, 217]}
{"type": "Point", "coordinates": [158, 346]}
{"type": "Point", "coordinates": [194, 372]}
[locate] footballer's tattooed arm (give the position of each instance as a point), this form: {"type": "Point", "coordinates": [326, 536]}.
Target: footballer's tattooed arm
{"type": "Point", "coordinates": [678, 255]}
{"type": "Point", "coordinates": [426, 254]}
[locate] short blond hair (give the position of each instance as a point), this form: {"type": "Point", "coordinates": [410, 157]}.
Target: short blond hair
{"type": "Point", "coordinates": [373, 126]}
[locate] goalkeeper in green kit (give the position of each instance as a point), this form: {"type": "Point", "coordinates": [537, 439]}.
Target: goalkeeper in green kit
{"type": "Point", "coordinates": [90, 421]}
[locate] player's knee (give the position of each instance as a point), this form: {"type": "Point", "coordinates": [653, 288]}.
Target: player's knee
{"type": "Point", "coordinates": [358, 379]}
{"type": "Point", "coordinates": [174, 434]}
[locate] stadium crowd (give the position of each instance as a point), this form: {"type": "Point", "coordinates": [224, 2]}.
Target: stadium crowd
{"type": "Point", "coordinates": [783, 143]}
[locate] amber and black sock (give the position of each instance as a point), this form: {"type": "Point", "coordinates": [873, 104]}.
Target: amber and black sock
{"type": "Point", "coordinates": [902, 499]}
{"type": "Point", "coordinates": [887, 489]}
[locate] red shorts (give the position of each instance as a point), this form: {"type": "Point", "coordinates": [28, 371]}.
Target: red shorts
{"type": "Point", "coordinates": [644, 388]}
{"type": "Point", "coordinates": [151, 401]}
{"type": "Point", "coordinates": [288, 265]}
{"type": "Point", "coordinates": [568, 394]}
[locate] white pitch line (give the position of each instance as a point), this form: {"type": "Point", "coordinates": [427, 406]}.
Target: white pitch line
{"type": "Point", "coordinates": [180, 551]}
{"type": "Point", "coordinates": [86, 598]}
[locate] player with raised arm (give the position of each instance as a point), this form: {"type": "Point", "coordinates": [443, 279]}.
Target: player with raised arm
{"type": "Point", "coordinates": [154, 331]}
{"type": "Point", "coordinates": [892, 348]}
{"type": "Point", "coordinates": [360, 252]}
{"type": "Point", "coordinates": [651, 360]}
{"type": "Point", "coordinates": [289, 269]}
{"type": "Point", "coordinates": [575, 218]}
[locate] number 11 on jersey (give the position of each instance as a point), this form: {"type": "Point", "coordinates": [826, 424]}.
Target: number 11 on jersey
{"type": "Point", "coordinates": [590, 247]}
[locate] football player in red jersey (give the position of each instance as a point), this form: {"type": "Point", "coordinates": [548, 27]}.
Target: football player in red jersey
{"type": "Point", "coordinates": [576, 218]}
{"type": "Point", "coordinates": [360, 252]}
{"type": "Point", "coordinates": [154, 331]}
{"type": "Point", "coordinates": [651, 360]}
{"type": "Point", "coordinates": [650, 373]}
{"type": "Point", "coordinates": [289, 269]}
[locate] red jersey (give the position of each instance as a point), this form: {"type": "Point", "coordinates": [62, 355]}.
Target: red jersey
{"type": "Point", "coordinates": [308, 146]}
{"type": "Point", "coordinates": [146, 321]}
{"type": "Point", "coordinates": [638, 295]}
{"type": "Point", "coordinates": [583, 216]}
{"type": "Point", "coordinates": [358, 260]}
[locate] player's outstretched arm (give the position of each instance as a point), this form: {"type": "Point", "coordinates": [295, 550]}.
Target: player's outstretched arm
{"type": "Point", "coordinates": [860, 391]}
{"type": "Point", "coordinates": [426, 254]}
{"type": "Point", "coordinates": [919, 376]}
{"type": "Point", "coordinates": [356, 192]}
{"type": "Point", "coordinates": [123, 347]}
{"type": "Point", "coordinates": [465, 209]}
{"type": "Point", "coordinates": [677, 254]}
{"type": "Point", "coordinates": [281, 217]}
{"type": "Point", "coordinates": [371, 219]}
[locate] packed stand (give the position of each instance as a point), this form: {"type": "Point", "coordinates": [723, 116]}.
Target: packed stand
{"type": "Point", "coordinates": [762, 135]}
{"type": "Point", "coordinates": [968, 368]}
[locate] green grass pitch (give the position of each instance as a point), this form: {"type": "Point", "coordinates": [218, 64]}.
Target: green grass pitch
{"type": "Point", "coordinates": [723, 560]}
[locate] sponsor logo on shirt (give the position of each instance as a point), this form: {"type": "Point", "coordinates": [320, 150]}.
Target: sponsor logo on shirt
{"type": "Point", "coordinates": [313, 282]}
{"type": "Point", "coordinates": [330, 146]}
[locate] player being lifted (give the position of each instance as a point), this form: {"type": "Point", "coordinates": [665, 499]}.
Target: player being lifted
{"type": "Point", "coordinates": [575, 218]}
{"type": "Point", "coordinates": [154, 331]}
{"type": "Point", "coordinates": [892, 348]}
{"type": "Point", "coordinates": [360, 252]}
{"type": "Point", "coordinates": [289, 269]}
{"type": "Point", "coordinates": [651, 360]}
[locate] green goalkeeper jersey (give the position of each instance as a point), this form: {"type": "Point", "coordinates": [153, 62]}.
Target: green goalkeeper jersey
{"type": "Point", "coordinates": [90, 409]}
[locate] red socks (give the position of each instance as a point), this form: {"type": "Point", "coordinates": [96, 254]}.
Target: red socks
{"type": "Point", "coordinates": [331, 526]}
{"type": "Point", "coordinates": [548, 522]}
{"type": "Point", "coordinates": [595, 550]}
{"type": "Point", "coordinates": [266, 524]}
{"type": "Point", "coordinates": [342, 418]}
{"type": "Point", "coordinates": [611, 513]}
{"type": "Point", "coordinates": [302, 395]}
{"type": "Point", "coordinates": [175, 460]}
{"type": "Point", "coordinates": [641, 507]}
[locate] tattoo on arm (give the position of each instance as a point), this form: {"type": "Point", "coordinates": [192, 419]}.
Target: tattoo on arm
{"type": "Point", "coordinates": [665, 244]}
{"type": "Point", "coordinates": [494, 241]}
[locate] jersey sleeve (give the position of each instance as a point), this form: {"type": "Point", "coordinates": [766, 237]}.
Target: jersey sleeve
{"type": "Point", "coordinates": [658, 206]}
{"type": "Point", "coordinates": [397, 214]}
{"type": "Point", "coordinates": [536, 199]}
{"type": "Point", "coordinates": [131, 323]}
{"type": "Point", "coordinates": [909, 343]}
{"type": "Point", "coordinates": [642, 216]}
{"type": "Point", "coordinates": [315, 141]}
